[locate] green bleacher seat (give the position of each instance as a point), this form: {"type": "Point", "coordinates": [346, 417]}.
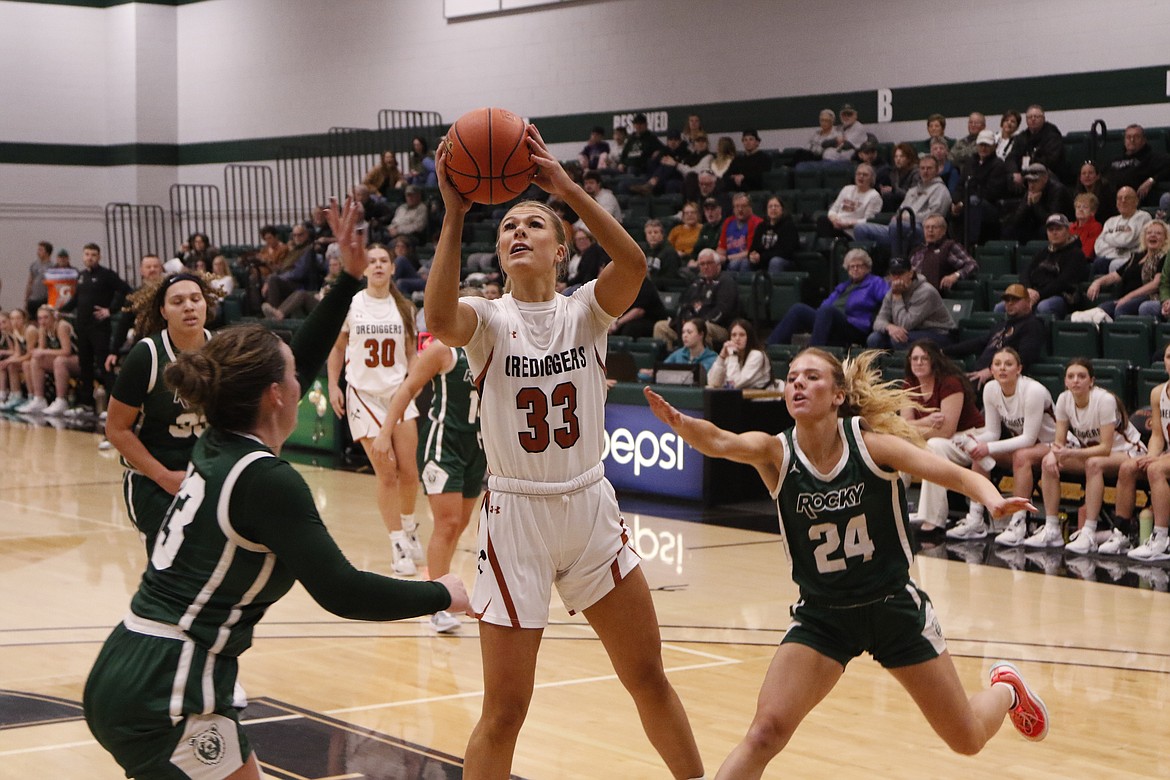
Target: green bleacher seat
{"type": "Point", "coordinates": [1075, 339]}
{"type": "Point", "coordinates": [648, 345]}
{"type": "Point", "coordinates": [1147, 379]}
{"type": "Point", "coordinates": [835, 177]}
{"type": "Point", "coordinates": [807, 178]}
{"type": "Point", "coordinates": [1129, 339]}
{"type": "Point", "coordinates": [778, 179]}
{"type": "Point", "coordinates": [618, 343]}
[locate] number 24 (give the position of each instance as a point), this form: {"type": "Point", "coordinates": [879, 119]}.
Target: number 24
{"type": "Point", "coordinates": [857, 542]}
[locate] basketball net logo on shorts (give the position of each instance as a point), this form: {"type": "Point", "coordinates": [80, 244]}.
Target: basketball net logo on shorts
{"type": "Point", "coordinates": [808, 504]}
{"type": "Point", "coordinates": [208, 746]}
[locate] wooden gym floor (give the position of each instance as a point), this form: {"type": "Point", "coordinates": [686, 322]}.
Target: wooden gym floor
{"type": "Point", "coordinates": [338, 699]}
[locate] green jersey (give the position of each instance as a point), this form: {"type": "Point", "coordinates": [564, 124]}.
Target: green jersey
{"type": "Point", "coordinates": [166, 426]}
{"type": "Point", "coordinates": [455, 404]}
{"type": "Point", "coordinates": [242, 529]}
{"type": "Point", "coordinates": [847, 532]}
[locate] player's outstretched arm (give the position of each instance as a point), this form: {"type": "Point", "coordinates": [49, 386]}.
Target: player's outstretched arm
{"type": "Point", "coordinates": [902, 455]}
{"type": "Point", "coordinates": [754, 448]}
{"type": "Point", "coordinates": [449, 320]}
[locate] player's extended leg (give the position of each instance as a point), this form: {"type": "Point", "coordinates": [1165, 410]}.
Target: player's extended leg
{"type": "Point", "coordinates": [389, 503]}
{"type": "Point", "coordinates": [797, 679]}
{"type": "Point", "coordinates": [964, 723]}
{"type": "Point", "coordinates": [627, 625]}
{"type": "Point", "coordinates": [452, 513]}
{"type": "Point", "coordinates": [509, 668]}
{"type": "Point", "coordinates": [405, 443]}
{"type": "Point", "coordinates": [249, 771]}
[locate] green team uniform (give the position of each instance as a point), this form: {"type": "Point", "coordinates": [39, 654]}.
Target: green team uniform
{"type": "Point", "coordinates": [165, 426]}
{"type": "Point", "coordinates": [243, 528]}
{"type": "Point", "coordinates": [241, 531]}
{"type": "Point", "coordinates": [847, 535]}
{"type": "Point", "coordinates": [450, 455]}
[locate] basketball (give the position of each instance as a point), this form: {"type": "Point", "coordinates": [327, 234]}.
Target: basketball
{"type": "Point", "coordinates": [487, 160]}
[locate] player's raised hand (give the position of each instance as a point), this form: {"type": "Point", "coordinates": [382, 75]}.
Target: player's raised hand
{"type": "Point", "coordinates": [348, 226]}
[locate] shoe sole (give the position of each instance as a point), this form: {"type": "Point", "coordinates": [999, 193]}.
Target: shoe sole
{"type": "Point", "coordinates": [1036, 700]}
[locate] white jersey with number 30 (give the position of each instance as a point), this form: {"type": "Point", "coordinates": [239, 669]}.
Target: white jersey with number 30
{"type": "Point", "coordinates": [540, 372]}
{"type": "Point", "coordinates": [375, 359]}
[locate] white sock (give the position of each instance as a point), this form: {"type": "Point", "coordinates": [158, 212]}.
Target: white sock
{"type": "Point", "coordinates": [1052, 521]}
{"type": "Point", "coordinates": [1090, 526]}
{"type": "Point", "coordinates": [1161, 531]}
{"type": "Point", "coordinates": [976, 510]}
{"type": "Point", "coordinates": [408, 523]}
{"type": "Point", "coordinates": [398, 536]}
{"type": "Point", "coordinates": [1012, 691]}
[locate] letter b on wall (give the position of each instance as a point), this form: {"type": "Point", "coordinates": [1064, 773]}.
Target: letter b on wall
{"type": "Point", "coordinates": [885, 105]}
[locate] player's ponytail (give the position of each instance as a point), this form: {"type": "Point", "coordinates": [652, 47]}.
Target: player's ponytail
{"type": "Point", "coordinates": [877, 402]}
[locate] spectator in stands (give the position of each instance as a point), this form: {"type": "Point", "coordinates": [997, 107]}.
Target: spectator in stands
{"type": "Point", "coordinates": [591, 182]}
{"type": "Point", "coordinates": [384, 177]}
{"type": "Point", "coordinates": [1005, 141]}
{"type": "Point", "coordinates": [221, 277]}
{"type": "Point", "coordinates": [376, 210]}
{"type": "Point", "coordinates": [694, 347]}
{"type": "Point", "coordinates": [1090, 180]}
{"type": "Point", "coordinates": [54, 354]}
{"type": "Point", "coordinates": [411, 218]}
{"type": "Point", "coordinates": [492, 290]}
{"type": "Point", "coordinates": [697, 159]}
{"type": "Point", "coordinates": [662, 262]}
{"type": "Point", "coordinates": [150, 270]}
{"type": "Point", "coordinates": [738, 233]}
{"type": "Point", "coordinates": [420, 164]}
{"type": "Point", "coordinates": [846, 316]}
{"type": "Point", "coordinates": [940, 260]}
{"type": "Point", "coordinates": [1140, 167]}
{"type": "Point", "coordinates": [272, 250]}
{"type": "Point", "coordinates": [1015, 405]}
{"type": "Point", "coordinates": [711, 186]}
{"type": "Point", "coordinates": [1044, 197]}
{"type": "Point", "coordinates": [776, 242]}
{"type": "Point", "coordinates": [964, 148]}
{"type": "Point", "coordinates": [948, 172]}
{"type": "Point", "coordinates": [936, 127]}
{"type": "Point", "coordinates": [641, 151]}
{"type": "Point", "coordinates": [724, 156]}
{"type": "Point", "coordinates": [693, 129]}
{"type": "Point", "coordinates": [36, 294]}
{"type": "Point", "coordinates": [1023, 331]}
{"type": "Point", "coordinates": [100, 291]}
{"type": "Point", "coordinates": [410, 276]}
{"type": "Point", "coordinates": [1138, 279]}
{"type": "Point", "coordinates": [709, 233]}
{"type": "Point", "coordinates": [197, 248]}
{"type": "Point", "coordinates": [713, 297]}
{"type": "Point", "coordinates": [1086, 227]}
{"type": "Point", "coordinates": [1120, 234]}
{"type": "Point", "coordinates": [1054, 277]}
{"type": "Point", "coordinates": [855, 203]}
{"type": "Point", "coordinates": [592, 259]}
{"type": "Point", "coordinates": [742, 362]}
{"type": "Point", "coordinates": [1041, 142]}
{"type": "Point", "coordinates": [1094, 436]}
{"type": "Point", "coordinates": [928, 197]}
{"type": "Point", "coordinates": [899, 177]}
{"type": "Point", "coordinates": [850, 135]}
{"type": "Point", "coordinates": [822, 138]}
{"type": "Point", "coordinates": [984, 184]}
{"type": "Point", "coordinates": [665, 175]}
{"type": "Point", "coordinates": [947, 398]}
{"type": "Point", "coordinates": [595, 155]}
{"type": "Point", "coordinates": [644, 313]}
{"type": "Point", "coordinates": [868, 153]}
{"type": "Point", "coordinates": [684, 235]}
{"type": "Point", "coordinates": [911, 310]}
{"type": "Point", "coordinates": [299, 271]}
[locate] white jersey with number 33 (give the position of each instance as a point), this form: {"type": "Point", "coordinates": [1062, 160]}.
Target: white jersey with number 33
{"type": "Point", "coordinates": [375, 359]}
{"type": "Point", "coordinates": [540, 372]}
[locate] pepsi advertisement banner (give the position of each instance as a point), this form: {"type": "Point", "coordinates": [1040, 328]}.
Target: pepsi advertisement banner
{"type": "Point", "coordinates": [642, 453]}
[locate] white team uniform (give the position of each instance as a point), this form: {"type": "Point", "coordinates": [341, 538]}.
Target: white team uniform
{"type": "Point", "coordinates": [375, 363]}
{"type": "Point", "coordinates": [1084, 425]}
{"type": "Point", "coordinates": [1164, 410]}
{"type": "Point", "coordinates": [549, 514]}
{"type": "Point", "coordinates": [1027, 415]}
